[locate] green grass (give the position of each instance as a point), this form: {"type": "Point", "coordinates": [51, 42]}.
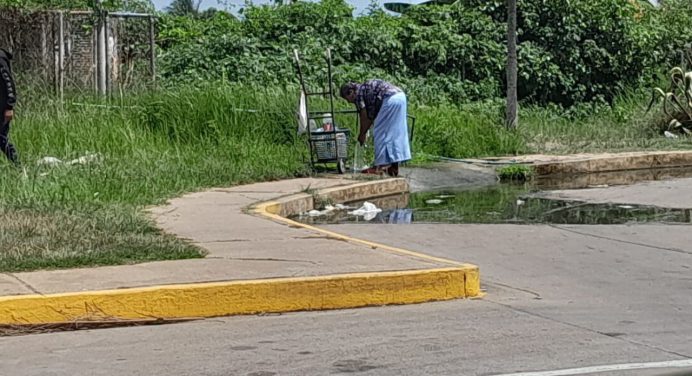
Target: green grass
{"type": "Point", "coordinates": [158, 145]}
{"type": "Point", "coordinates": [470, 131]}
{"type": "Point", "coordinates": [153, 147]}
{"type": "Point", "coordinates": [623, 127]}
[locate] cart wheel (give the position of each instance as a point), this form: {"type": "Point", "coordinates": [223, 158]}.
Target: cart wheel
{"type": "Point", "coordinates": [341, 166]}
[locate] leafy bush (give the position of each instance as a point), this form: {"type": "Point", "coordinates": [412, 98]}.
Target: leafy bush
{"type": "Point", "coordinates": [570, 51]}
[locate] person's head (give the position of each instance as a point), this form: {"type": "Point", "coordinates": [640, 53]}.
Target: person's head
{"type": "Point", "coordinates": [348, 92]}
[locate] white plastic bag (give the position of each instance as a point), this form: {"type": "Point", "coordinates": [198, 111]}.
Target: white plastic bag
{"type": "Point", "coordinates": [368, 211]}
{"type": "Point", "coordinates": [302, 114]}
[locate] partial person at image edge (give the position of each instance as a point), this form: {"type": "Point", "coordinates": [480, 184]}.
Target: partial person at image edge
{"type": "Point", "coordinates": [383, 107]}
{"type": "Point", "coordinates": [8, 99]}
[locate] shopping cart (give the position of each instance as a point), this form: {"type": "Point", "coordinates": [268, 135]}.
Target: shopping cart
{"type": "Point", "coordinates": [328, 143]}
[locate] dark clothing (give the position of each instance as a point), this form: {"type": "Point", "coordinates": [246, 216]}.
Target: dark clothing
{"type": "Point", "coordinates": [5, 144]}
{"type": "Point", "coordinates": [8, 99]}
{"type": "Point", "coordinates": [8, 91]}
{"type": "Point", "coordinates": [371, 94]}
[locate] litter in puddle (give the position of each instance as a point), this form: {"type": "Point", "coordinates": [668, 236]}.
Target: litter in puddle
{"type": "Point", "coordinates": [368, 211]}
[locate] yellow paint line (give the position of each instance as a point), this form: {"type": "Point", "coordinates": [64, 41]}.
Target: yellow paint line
{"type": "Point", "coordinates": [240, 297]}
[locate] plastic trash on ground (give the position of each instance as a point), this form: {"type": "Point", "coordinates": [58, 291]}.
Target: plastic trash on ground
{"type": "Point", "coordinates": [670, 135]}
{"type": "Point", "coordinates": [368, 211]}
{"type": "Point", "coordinates": [49, 161]}
{"type": "Point", "coordinates": [83, 160]}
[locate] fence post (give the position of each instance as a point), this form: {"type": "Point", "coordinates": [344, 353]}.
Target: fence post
{"type": "Point", "coordinates": [61, 56]}
{"type": "Point", "coordinates": [44, 45]}
{"type": "Point", "coordinates": [55, 36]}
{"type": "Point", "coordinates": [152, 50]}
{"type": "Point", "coordinates": [101, 46]}
{"type": "Point", "coordinates": [109, 56]}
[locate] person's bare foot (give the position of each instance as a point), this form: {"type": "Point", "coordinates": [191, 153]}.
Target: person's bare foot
{"type": "Point", "coordinates": [393, 170]}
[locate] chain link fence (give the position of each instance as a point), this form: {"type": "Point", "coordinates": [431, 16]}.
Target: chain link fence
{"type": "Point", "coordinates": [80, 50]}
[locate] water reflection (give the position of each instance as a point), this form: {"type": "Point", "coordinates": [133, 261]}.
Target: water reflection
{"type": "Point", "coordinates": [504, 203]}
{"type": "Point", "coordinates": [400, 216]}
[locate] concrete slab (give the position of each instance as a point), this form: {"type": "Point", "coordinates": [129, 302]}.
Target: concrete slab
{"type": "Point", "coordinates": [10, 285]}
{"type": "Point", "coordinates": [629, 282]}
{"type": "Point", "coordinates": [611, 178]}
{"type": "Point", "coordinates": [589, 163]}
{"type": "Point", "coordinates": [668, 194]}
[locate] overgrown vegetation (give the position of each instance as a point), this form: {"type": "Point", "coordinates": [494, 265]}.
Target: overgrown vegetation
{"type": "Point", "coordinates": [570, 51]}
{"type": "Point", "coordinates": [153, 147]}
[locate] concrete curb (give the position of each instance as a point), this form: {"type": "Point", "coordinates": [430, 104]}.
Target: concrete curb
{"type": "Point", "coordinates": [623, 162]}
{"type": "Point", "coordinates": [201, 300]}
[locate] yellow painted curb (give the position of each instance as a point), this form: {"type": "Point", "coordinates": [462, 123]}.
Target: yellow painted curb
{"type": "Point", "coordinates": [240, 297]}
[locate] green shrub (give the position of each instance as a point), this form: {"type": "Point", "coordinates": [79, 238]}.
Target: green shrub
{"type": "Point", "coordinates": [570, 51]}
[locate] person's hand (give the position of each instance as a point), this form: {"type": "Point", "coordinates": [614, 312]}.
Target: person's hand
{"type": "Point", "coordinates": [361, 139]}
{"type": "Point", "coordinates": [9, 114]}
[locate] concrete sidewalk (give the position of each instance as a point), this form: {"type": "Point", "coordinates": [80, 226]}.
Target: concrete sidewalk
{"type": "Point", "coordinates": [676, 194]}
{"type": "Point", "coordinates": [241, 247]}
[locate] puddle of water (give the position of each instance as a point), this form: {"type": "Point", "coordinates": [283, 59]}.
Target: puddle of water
{"type": "Point", "coordinates": [504, 203]}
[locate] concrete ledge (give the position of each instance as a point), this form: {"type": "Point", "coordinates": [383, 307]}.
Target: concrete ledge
{"type": "Point", "coordinates": [615, 162]}
{"type": "Point", "coordinates": [242, 297]}
{"type": "Point", "coordinates": [302, 202]}
{"type": "Point", "coordinates": [626, 177]}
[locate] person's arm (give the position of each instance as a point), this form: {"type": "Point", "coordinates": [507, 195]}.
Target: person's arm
{"type": "Point", "coordinates": [8, 82]}
{"type": "Point", "coordinates": [365, 124]}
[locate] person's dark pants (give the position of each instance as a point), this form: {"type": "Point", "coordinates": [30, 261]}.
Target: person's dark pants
{"type": "Point", "coordinates": [6, 146]}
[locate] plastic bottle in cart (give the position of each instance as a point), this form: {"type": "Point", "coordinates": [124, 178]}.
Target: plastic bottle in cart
{"type": "Point", "coordinates": [327, 123]}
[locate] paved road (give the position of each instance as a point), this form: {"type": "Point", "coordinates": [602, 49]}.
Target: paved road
{"type": "Point", "coordinates": [557, 297]}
